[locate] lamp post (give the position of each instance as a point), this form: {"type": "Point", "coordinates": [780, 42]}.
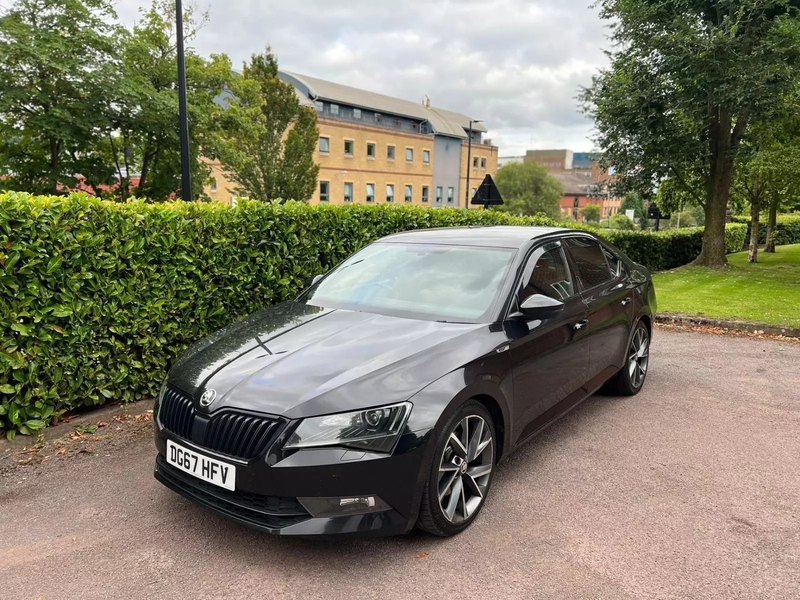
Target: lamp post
{"type": "Point", "coordinates": [469, 157]}
{"type": "Point", "coordinates": [183, 112]}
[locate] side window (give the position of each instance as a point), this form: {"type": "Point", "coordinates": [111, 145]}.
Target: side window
{"type": "Point", "coordinates": [550, 277]}
{"type": "Point", "coordinates": [614, 263]}
{"type": "Point", "coordinates": [590, 261]}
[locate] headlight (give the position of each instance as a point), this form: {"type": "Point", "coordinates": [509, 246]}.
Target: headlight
{"type": "Point", "coordinates": [374, 429]}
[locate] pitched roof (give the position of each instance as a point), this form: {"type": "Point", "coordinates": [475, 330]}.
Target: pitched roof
{"type": "Point", "coordinates": [582, 184]}
{"type": "Point", "coordinates": [444, 122]}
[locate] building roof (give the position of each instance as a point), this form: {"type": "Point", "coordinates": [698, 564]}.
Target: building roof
{"type": "Point", "coordinates": [444, 122]}
{"type": "Point", "coordinates": [576, 184]}
{"type": "Point", "coordinates": [500, 236]}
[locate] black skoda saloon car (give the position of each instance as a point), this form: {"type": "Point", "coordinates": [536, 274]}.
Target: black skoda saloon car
{"type": "Point", "coordinates": [385, 395]}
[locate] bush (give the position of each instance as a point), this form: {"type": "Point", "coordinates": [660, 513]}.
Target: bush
{"type": "Point", "coordinates": [620, 221]}
{"type": "Point", "coordinates": [99, 298]}
{"type": "Point", "coordinates": [787, 229]}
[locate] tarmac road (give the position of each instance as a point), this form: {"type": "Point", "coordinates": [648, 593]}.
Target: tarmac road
{"type": "Point", "coordinates": [689, 490]}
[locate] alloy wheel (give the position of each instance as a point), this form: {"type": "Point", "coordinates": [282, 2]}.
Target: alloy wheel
{"type": "Point", "coordinates": [639, 357]}
{"type": "Point", "coordinates": [465, 469]}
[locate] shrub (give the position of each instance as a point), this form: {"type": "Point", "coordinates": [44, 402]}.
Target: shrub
{"type": "Point", "coordinates": [620, 221]}
{"type": "Point", "coordinates": [787, 230]}
{"type": "Point", "coordinates": [99, 298]}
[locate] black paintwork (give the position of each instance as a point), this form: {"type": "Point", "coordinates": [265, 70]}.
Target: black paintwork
{"type": "Point", "coordinates": [296, 360]}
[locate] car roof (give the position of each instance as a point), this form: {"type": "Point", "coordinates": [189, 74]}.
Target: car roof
{"type": "Point", "coordinates": [496, 236]}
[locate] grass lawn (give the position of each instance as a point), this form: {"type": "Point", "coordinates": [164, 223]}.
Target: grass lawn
{"type": "Point", "coordinates": [765, 292]}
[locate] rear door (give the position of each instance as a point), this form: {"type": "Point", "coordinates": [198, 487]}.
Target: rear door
{"type": "Point", "coordinates": [608, 300]}
{"type": "Point", "coordinates": [550, 357]}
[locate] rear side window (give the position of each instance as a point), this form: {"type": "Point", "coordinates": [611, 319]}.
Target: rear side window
{"type": "Point", "coordinates": [590, 262]}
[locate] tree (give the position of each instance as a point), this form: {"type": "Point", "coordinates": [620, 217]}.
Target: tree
{"type": "Point", "coordinates": [770, 166]}
{"type": "Point", "coordinates": [635, 202]}
{"type": "Point", "coordinates": [527, 189]}
{"type": "Point", "coordinates": [685, 81]}
{"type": "Point", "coordinates": [268, 146]}
{"type": "Point", "coordinates": [146, 137]}
{"type": "Point", "coordinates": [590, 213]}
{"type": "Point", "coordinates": [59, 68]}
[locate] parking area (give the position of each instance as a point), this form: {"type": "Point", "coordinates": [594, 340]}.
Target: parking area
{"type": "Point", "coordinates": [689, 490]}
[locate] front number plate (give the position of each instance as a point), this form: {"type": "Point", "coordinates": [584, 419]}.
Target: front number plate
{"type": "Point", "coordinates": [202, 467]}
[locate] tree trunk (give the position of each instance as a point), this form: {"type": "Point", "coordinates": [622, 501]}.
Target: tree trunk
{"type": "Point", "coordinates": [721, 146]}
{"type": "Point", "coordinates": [772, 224]}
{"type": "Point", "coordinates": [755, 213]}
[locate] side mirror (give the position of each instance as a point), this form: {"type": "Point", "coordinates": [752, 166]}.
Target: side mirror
{"type": "Point", "coordinates": [314, 280]}
{"type": "Point", "coordinates": [540, 306]}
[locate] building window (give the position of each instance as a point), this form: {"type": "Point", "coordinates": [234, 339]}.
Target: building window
{"type": "Point", "coordinates": [438, 194]}
{"type": "Point", "coordinates": [377, 117]}
{"type": "Point", "coordinates": [390, 192]}
{"type": "Point", "coordinates": [370, 150]}
{"type": "Point", "coordinates": [213, 184]}
{"type": "Point", "coordinates": [357, 113]}
{"type": "Point", "coordinates": [426, 156]}
{"type": "Point", "coordinates": [324, 145]}
{"type": "Point", "coordinates": [324, 191]}
{"type": "Point", "coordinates": [234, 201]}
{"type": "Point", "coordinates": [409, 194]}
{"type": "Point", "coordinates": [409, 155]}
{"type": "Point", "coordinates": [576, 202]}
{"type": "Point", "coordinates": [348, 192]}
{"type": "Point", "coordinates": [348, 147]}
{"type": "Point", "coordinates": [334, 109]}
{"type": "Point", "coordinates": [483, 163]}
{"type": "Point", "coordinates": [318, 105]}
{"type": "Point", "coordinates": [475, 163]}
{"type": "Point", "coordinates": [425, 194]}
{"type": "Point", "coordinates": [451, 193]}
{"type": "Point", "coordinates": [390, 152]}
{"type": "Point", "coordinates": [370, 193]}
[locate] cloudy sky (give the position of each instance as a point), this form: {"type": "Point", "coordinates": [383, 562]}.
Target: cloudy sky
{"type": "Point", "coordinates": [516, 64]}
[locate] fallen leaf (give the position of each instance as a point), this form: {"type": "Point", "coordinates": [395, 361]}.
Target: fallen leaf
{"type": "Point", "coordinates": [423, 555]}
{"type": "Point", "coordinates": [95, 438]}
{"type": "Point", "coordinates": [102, 424]}
{"type": "Point", "coordinates": [61, 451]}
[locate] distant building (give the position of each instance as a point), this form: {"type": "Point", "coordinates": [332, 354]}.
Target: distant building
{"type": "Point", "coordinates": [375, 149]}
{"type": "Point", "coordinates": [509, 160]}
{"type": "Point", "coordinates": [584, 180]}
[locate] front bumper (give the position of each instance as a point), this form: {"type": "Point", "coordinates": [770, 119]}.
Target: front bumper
{"type": "Point", "coordinates": [266, 495]}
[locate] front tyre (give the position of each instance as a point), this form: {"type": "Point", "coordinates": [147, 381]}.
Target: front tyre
{"type": "Point", "coordinates": [461, 473]}
{"type": "Point", "coordinates": [630, 380]}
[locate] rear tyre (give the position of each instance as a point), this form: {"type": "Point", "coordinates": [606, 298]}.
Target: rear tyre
{"type": "Point", "coordinates": [630, 379]}
{"type": "Point", "coordinates": [461, 473]}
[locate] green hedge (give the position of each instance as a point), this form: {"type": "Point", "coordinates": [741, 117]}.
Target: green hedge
{"type": "Point", "coordinates": [99, 298]}
{"type": "Point", "coordinates": [787, 230]}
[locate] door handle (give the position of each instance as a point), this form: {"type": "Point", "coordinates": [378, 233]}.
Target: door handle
{"type": "Point", "coordinates": [581, 324]}
{"type": "Point", "coordinates": [626, 302]}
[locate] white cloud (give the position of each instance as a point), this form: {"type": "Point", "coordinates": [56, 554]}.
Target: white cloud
{"type": "Point", "coordinates": [516, 64]}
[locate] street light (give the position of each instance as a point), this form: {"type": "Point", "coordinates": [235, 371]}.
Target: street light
{"type": "Point", "coordinates": [469, 156]}
{"type": "Point", "coordinates": [183, 112]}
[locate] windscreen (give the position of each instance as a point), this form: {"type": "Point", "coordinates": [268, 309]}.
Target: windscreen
{"type": "Point", "coordinates": [443, 283]}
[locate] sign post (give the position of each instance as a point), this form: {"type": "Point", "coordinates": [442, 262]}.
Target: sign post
{"type": "Point", "coordinates": [487, 194]}
{"type": "Point", "coordinates": [653, 212]}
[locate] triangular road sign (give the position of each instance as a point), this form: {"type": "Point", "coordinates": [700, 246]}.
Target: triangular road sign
{"type": "Point", "coordinates": [487, 194]}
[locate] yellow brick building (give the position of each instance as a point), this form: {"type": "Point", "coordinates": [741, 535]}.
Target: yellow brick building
{"type": "Point", "coordinates": [376, 149]}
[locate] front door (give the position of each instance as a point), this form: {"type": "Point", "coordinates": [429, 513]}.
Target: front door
{"type": "Point", "coordinates": [608, 297]}
{"type": "Point", "coordinates": [550, 357]}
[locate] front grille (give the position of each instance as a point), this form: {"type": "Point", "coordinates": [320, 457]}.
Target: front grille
{"type": "Point", "coordinates": [240, 435]}
{"type": "Point", "coordinates": [176, 413]}
{"type": "Point", "coordinates": [232, 433]}
{"type": "Point", "coordinates": [267, 511]}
